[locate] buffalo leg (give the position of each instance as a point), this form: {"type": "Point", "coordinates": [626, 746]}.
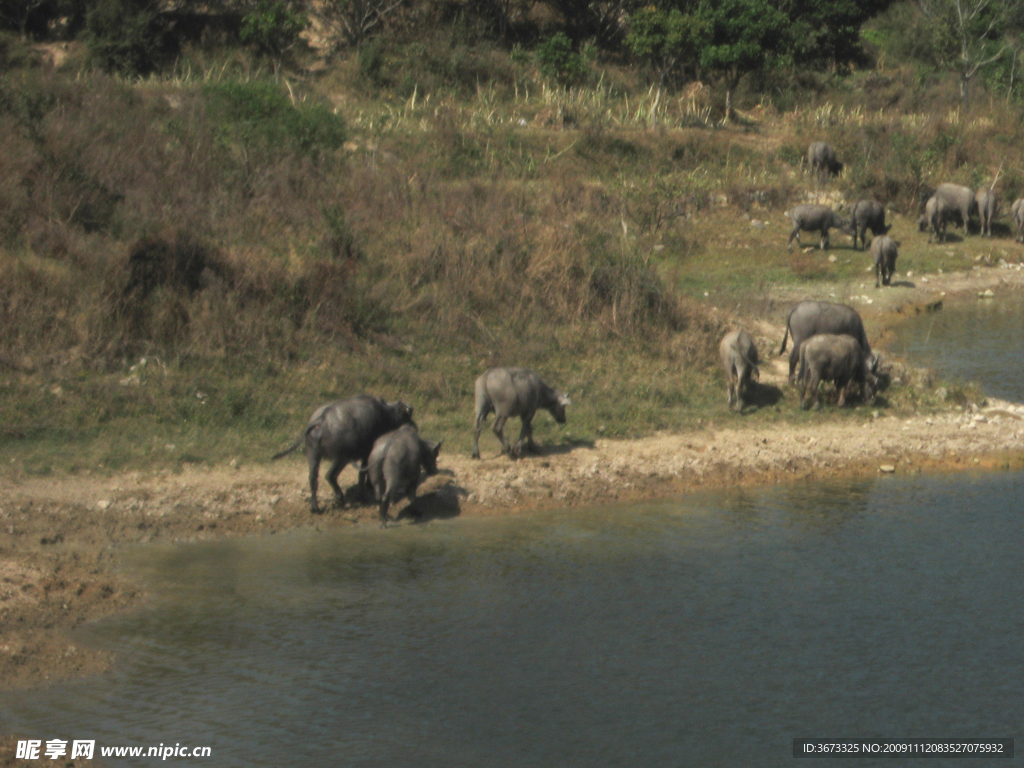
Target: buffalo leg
{"type": "Point", "coordinates": [385, 502]}
{"type": "Point", "coordinates": [332, 477]}
{"type": "Point", "coordinates": [314, 480]}
{"type": "Point", "coordinates": [480, 418]}
{"type": "Point", "coordinates": [526, 437]}
{"type": "Point", "coordinates": [815, 385]}
{"type": "Point", "coordinates": [499, 430]}
{"type": "Point", "coordinates": [795, 233]}
{"type": "Point", "coordinates": [794, 356]}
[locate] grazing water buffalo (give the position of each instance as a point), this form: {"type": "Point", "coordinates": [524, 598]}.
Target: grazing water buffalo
{"type": "Point", "coordinates": [1017, 212]}
{"type": "Point", "coordinates": [834, 357]}
{"type": "Point", "coordinates": [344, 431]}
{"type": "Point", "coordinates": [394, 465]}
{"type": "Point", "coordinates": [739, 357]}
{"type": "Point", "coordinates": [821, 159]}
{"type": "Point", "coordinates": [816, 218]}
{"type": "Point", "coordinates": [514, 392]}
{"type": "Point", "coordinates": [884, 251]}
{"type": "Point", "coordinates": [937, 213]}
{"type": "Point", "coordinates": [986, 200]}
{"type": "Point", "coordinates": [959, 199]}
{"type": "Point", "coordinates": [868, 214]}
{"type": "Point", "coordinates": [809, 318]}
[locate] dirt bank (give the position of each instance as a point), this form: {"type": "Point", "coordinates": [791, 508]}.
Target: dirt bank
{"type": "Point", "coordinates": [59, 537]}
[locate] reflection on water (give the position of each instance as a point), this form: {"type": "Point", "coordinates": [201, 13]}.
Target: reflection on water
{"type": "Point", "coordinates": [971, 341]}
{"type": "Point", "coordinates": [709, 631]}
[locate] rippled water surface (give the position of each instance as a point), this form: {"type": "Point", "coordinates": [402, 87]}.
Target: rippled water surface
{"type": "Point", "coordinates": [971, 340]}
{"type": "Point", "coordinates": [707, 631]}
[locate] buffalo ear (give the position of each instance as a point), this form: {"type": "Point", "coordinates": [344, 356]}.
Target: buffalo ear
{"type": "Point", "coordinates": [563, 400]}
{"type": "Point", "coordinates": [437, 448]}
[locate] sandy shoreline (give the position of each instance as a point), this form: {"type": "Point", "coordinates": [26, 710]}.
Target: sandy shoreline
{"type": "Point", "coordinates": [59, 537]}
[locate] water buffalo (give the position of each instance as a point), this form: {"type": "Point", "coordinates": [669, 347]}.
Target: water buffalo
{"type": "Point", "coordinates": [1017, 212]}
{"type": "Point", "coordinates": [868, 214]}
{"type": "Point", "coordinates": [514, 392]}
{"type": "Point", "coordinates": [834, 357]}
{"type": "Point", "coordinates": [739, 357]}
{"type": "Point", "coordinates": [816, 218]}
{"type": "Point", "coordinates": [809, 318]}
{"type": "Point", "coordinates": [884, 251]}
{"type": "Point", "coordinates": [394, 465]}
{"type": "Point", "coordinates": [986, 200]}
{"type": "Point", "coordinates": [937, 213]}
{"type": "Point", "coordinates": [344, 431]}
{"type": "Point", "coordinates": [959, 199]}
{"type": "Point", "coordinates": [821, 159]}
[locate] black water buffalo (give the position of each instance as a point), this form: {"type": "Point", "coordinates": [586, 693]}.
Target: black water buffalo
{"type": "Point", "coordinates": [816, 218]}
{"type": "Point", "coordinates": [514, 392]}
{"type": "Point", "coordinates": [986, 200]}
{"type": "Point", "coordinates": [959, 199]}
{"type": "Point", "coordinates": [867, 214]}
{"type": "Point", "coordinates": [884, 251]}
{"type": "Point", "coordinates": [809, 318]}
{"type": "Point", "coordinates": [937, 214]}
{"type": "Point", "coordinates": [739, 358]}
{"type": "Point", "coordinates": [1017, 212]}
{"type": "Point", "coordinates": [834, 357]}
{"type": "Point", "coordinates": [345, 431]}
{"type": "Point", "coordinates": [393, 467]}
{"type": "Point", "coordinates": [821, 160]}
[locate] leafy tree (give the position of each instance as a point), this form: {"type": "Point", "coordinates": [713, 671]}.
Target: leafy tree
{"type": "Point", "coordinates": [970, 34]}
{"type": "Point", "coordinates": [827, 32]}
{"type": "Point", "coordinates": [273, 28]}
{"type": "Point", "coordinates": [742, 36]}
{"type": "Point", "coordinates": [668, 41]}
{"type": "Point", "coordinates": [127, 36]}
{"type": "Point", "coordinates": [559, 62]}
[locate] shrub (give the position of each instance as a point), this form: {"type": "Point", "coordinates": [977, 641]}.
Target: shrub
{"type": "Point", "coordinates": [272, 27]}
{"type": "Point", "coordinates": [558, 62]}
{"type": "Point", "coordinates": [126, 36]}
{"type": "Point", "coordinates": [259, 114]}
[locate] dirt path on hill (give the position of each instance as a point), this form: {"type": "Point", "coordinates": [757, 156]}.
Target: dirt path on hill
{"type": "Point", "coordinates": [59, 536]}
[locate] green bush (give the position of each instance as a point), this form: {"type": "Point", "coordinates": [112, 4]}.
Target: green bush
{"type": "Point", "coordinates": [558, 62]}
{"type": "Point", "coordinates": [126, 36]}
{"type": "Point", "coordinates": [260, 113]}
{"type": "Point", "coordinates": [273, 27]}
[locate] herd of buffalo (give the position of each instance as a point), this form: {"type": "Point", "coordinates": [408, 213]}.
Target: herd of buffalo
{"type": "Point", "coordinates": [828, 343]}
{"type": "Point", "coordinates": [383, 437]}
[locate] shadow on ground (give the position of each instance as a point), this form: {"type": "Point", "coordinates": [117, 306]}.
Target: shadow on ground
{"type": "Point", "coordinates": [760, 396]}
{"type": "Point", "coordinates": [442, 504]}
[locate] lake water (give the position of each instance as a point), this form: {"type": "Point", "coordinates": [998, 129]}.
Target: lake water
{"type": "Point", "coordinates": [971, 340]}
{"type": "Point", "coordinates": [706, 631]}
